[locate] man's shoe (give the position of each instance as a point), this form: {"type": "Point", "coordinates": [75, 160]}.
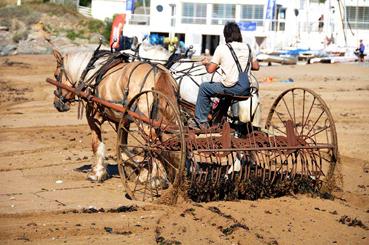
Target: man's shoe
{"type": "Point", "coordinates": [204, 125]}
{"type": "Point", "coordinates": [193, 124]}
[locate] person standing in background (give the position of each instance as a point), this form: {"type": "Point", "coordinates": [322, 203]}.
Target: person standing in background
{"type": "Point", "coordinates": [361, 50]}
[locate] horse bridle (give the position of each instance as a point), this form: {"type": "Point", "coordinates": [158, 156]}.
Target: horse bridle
{"type": "Point", "coordinates": [59, 77]}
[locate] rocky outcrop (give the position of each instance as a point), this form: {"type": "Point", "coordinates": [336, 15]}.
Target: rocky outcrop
{"type": "Point", "coordinates": [40, 41]}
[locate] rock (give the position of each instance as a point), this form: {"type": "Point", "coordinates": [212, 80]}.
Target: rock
{"type": "Point", "coordinates": [9, 49]}
{"type": "Point", "coordinates": [7, 46]}
{"type": "Point", "coordinates": [34, 46]}
{"type": "Point", "coordinates": [4, 28]}
{"type": "Point", "coordinates": [95, 38]}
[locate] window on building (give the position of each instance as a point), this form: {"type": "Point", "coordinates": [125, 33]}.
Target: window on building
{"type": "Point", "coordinates": [253, 13]}
{"type": "Point", "coordinates": [223, 13]}
{"type": "Point", "coordinates": [357, 17]}
{"type": "Point", "coordinates": [194, 13]}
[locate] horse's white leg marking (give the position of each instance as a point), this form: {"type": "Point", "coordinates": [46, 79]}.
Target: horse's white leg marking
{"type": "Point", "coordinates": [100, 167]}
{"type": "Point", "coordinates": [99, 172]}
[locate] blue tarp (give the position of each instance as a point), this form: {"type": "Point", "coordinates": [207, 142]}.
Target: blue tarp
{"type": "Point", "coordinates": [247, 26]}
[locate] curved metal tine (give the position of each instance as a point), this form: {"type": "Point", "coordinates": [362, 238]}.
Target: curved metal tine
{"type": "Point", "coordinates": [242, 170]}
{"type": "Point", "coordinates": [319, 167]}
{"type": "Point", "coordinates": [243, 161]}
{"type": "Point", "coordinates": [324, 158]}
{"type": "Point", "coordinates": [285, 167]}
{"type": "Point", "coordinates": [272, 143]}
{"type": "Point", "coordinates": [264, 160]}
{"type": "Point", "coordinates": [308, 171]}
{"type": "Point", "coordinates": [230, 163]}
{"type": "Point", "coordinates": [277, 164]}
{"type": "Point", "coordinates": [295, 159]}
{"type": "Point", "coordinates": [313, 166]}
{"type": "Point", "coordinates": [213, 164]}
{"type": "Point", "coordinates": [304, 161]}
{"type": "Point", "coordinates": [279, 156]}
{"type": "Point", "coordinates": [304, 157]}
{"type": "Point", "coordinates": [259, 165]}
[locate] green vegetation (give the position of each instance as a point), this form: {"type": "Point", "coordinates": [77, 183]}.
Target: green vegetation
{"type": "Point", "coordinates": [140, 3]}
{"type": "Point", "coordinates": [20, 35]}
{"type": "Point", "coordinates": [107, 29]}
{"type": "Point", "coordinates": [72, 35]}
{"type": "Point", "coordinates": [96, 26]}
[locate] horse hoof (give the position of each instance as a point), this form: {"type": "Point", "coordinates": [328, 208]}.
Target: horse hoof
{"type": "Point", "coordinates": [102, 177]}
{"type": "Point", "coordinates": [92, 178]}
{"type": "Point", "coordinates": [98, 177]}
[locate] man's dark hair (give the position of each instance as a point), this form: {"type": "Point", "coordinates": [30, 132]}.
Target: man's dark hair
{"type": "Point", "coordinates": [232, 32]}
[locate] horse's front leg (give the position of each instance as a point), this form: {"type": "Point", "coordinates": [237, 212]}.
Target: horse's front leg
{"type": "Point", "coordinates": [99, 172]}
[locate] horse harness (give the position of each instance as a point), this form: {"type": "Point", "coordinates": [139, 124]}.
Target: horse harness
{"type": "Point", "coordinates": [62, 100]}
{"type": "Point", "coordinates": [93, 81]}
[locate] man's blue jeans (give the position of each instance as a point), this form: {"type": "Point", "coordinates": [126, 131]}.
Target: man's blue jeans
{"type": "Point", "coordinates": [208, 90]}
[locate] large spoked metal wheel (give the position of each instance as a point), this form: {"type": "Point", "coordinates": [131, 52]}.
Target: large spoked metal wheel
{"type": "Point", "coordinates": [302, 113]}
{"type": "Point", "coordinates": [151, 147]}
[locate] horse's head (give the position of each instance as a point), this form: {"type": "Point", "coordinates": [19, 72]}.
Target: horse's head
{"type": "Point", "coordinates": [63, 98]}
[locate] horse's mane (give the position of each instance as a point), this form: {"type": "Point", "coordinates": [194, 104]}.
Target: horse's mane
{"type": "Point", "coordinates": [76, 62]}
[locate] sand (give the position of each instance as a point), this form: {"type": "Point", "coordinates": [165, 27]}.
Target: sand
{"type": "Point", "coordinates": [43, 200]}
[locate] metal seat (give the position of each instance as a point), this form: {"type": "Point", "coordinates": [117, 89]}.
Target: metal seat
{"type": "Point", "coordinates": [232, 97]}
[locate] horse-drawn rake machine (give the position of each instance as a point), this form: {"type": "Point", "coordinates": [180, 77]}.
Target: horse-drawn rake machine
{"type": "Point", "coordinates": [296, 152]}
{"type": "Point", "coordinates": [159, 156]}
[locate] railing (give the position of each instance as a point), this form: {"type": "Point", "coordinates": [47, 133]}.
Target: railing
{"type": "Point", "coordinates": [193, 20]}
{"type": "Point", "coordinates": [221, 21]}
{"type": "Point", "coordinates": [271, 25]}
{"type": "Point", "coordinates": [259, 22]}
{"type": "Point", "coordinates": [85, 11]}
{"type": "Point", "coordinates": [357, 25]}
{"type": "Point", "coordinates": [139, 19]}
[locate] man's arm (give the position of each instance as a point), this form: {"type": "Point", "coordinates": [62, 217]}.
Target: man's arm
{"type": "Point", "coordinates": [210, 67]}
{"type": "Point", "coordinates": [255, 65]}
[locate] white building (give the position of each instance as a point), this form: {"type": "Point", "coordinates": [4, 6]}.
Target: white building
{"type": "Point", "coordinates": [268, 24]}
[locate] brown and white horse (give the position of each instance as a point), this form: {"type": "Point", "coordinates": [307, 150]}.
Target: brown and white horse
{"type": "Point", "coordinates": [119, 83]}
